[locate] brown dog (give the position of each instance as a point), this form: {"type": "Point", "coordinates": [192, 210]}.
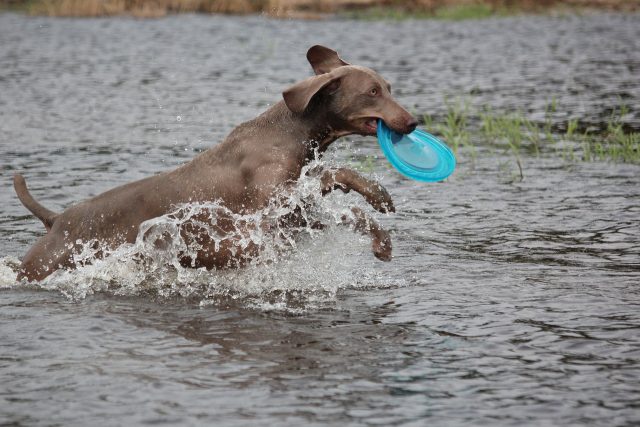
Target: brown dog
{"type": "Point", "coordinates": [244, 172]}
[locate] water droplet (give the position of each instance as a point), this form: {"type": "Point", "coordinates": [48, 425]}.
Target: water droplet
{"type": "Point", "coordinates": [178, 118]}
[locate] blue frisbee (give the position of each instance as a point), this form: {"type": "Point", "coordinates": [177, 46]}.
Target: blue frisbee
{"type": "Point", "coordinates": [417, 155]}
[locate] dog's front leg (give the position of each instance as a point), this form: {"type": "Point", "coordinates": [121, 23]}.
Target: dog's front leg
{"type": "Point", "coordinates": [380, 239]}
{"type": "Point", "coordinates": [347, 180]}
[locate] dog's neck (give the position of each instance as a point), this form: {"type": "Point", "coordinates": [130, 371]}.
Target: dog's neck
{"type": "Point", "coordinates": [309, 134]}
{"type": "Point", "coordinates": [319, 137]}
{"type": "Point", "coordinates": [314, 129]}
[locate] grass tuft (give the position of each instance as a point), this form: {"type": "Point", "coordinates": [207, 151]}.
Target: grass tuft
{"type": "Point", "coordinates": [461, 127]}
{"type": "Point", "coordinates": [466, 129]}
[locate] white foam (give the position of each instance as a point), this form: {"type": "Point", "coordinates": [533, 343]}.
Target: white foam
{"type": "Point", "coordinates": [8, 271]}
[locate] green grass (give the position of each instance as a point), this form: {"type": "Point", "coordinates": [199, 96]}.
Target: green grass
{"type": "Point", "coordinates": [455, 127]}
{"type": "Point", "coordinates": [614, 144]}
{"type": "Point", "coordinates": [465, 129]}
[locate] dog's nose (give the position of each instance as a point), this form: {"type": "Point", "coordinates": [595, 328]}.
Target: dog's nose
{"type": "Point", "coordinates": [412, 123]}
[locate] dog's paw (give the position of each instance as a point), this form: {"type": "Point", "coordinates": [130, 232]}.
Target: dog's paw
{"type": "Point", "coordinates": [381, 200]}
{"type": "Point", "coordinates": [382, 245]}
{"type": "Point", "coordinates": [387, 206]}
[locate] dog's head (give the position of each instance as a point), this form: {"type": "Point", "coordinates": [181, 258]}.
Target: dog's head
{"type": "Point", "coordinates": [353, 97]}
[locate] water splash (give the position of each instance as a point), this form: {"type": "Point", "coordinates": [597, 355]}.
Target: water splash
{"type": "Point", "coordinates": [284, 267]}
{"type": "Point", "coordinates": [8, 271]}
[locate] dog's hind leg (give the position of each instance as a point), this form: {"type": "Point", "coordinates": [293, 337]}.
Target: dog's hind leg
{"type": "Point", "coordinates": [48, 254]}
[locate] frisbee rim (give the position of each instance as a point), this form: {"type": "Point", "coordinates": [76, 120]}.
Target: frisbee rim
{"type": "Point", "coordinates": [446, 159]}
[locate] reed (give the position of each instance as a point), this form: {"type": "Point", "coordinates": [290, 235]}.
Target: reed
{"type": "Point", "coordinates": [358, 9]}
{"type": "Point", "coordinates": [141, 8]}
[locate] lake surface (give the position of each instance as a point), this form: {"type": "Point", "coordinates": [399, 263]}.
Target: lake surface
{"type": "Point", "coordinates": [508, 301]}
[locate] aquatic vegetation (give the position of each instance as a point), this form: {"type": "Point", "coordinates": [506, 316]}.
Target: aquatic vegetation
{"type": "Point", "coordinates": [510, 128]}
{"type": "Point", "coordinates": [614, 144]}
{"type": "Point", "coordinates": [465, 130]}
{"type": "Point", "coordinates": [454, 129]}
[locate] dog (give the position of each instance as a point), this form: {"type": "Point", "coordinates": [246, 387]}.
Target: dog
{"type": "Point", "coordinates": [245, 172]}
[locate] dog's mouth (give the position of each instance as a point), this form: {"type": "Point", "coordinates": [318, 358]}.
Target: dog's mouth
{"type": "Point", "coordinates": [370, 125]}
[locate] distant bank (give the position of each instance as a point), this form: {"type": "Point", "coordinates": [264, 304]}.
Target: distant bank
{"type": "Point", "coordinates": [315, 9]}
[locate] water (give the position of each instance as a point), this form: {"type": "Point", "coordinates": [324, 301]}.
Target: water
{"type": "Point", "coordinates": [508, 302]}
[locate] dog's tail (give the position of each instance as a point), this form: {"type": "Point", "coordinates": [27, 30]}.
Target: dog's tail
{"type": "Point", "coordinates": [45, 215]}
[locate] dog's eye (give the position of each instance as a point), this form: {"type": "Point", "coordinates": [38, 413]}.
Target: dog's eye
{"type": "Point", "coordinates": [373, 91]}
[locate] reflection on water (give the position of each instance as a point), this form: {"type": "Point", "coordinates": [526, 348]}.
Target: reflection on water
{"type": "Point", "coordinates": [508, 302]}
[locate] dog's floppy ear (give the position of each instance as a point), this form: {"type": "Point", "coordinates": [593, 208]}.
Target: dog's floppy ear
{"type": "Point", "coordinates": [324, 60]}
{"type": "Point", "coordinates": [298, 96]}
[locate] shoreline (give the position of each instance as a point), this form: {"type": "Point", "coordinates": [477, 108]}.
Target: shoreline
{"type": "Point", "coordinates": [318, 9]}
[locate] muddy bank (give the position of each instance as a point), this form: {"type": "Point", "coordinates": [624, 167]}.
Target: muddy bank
{"type": "Point", "coordinates": [310, 9]}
